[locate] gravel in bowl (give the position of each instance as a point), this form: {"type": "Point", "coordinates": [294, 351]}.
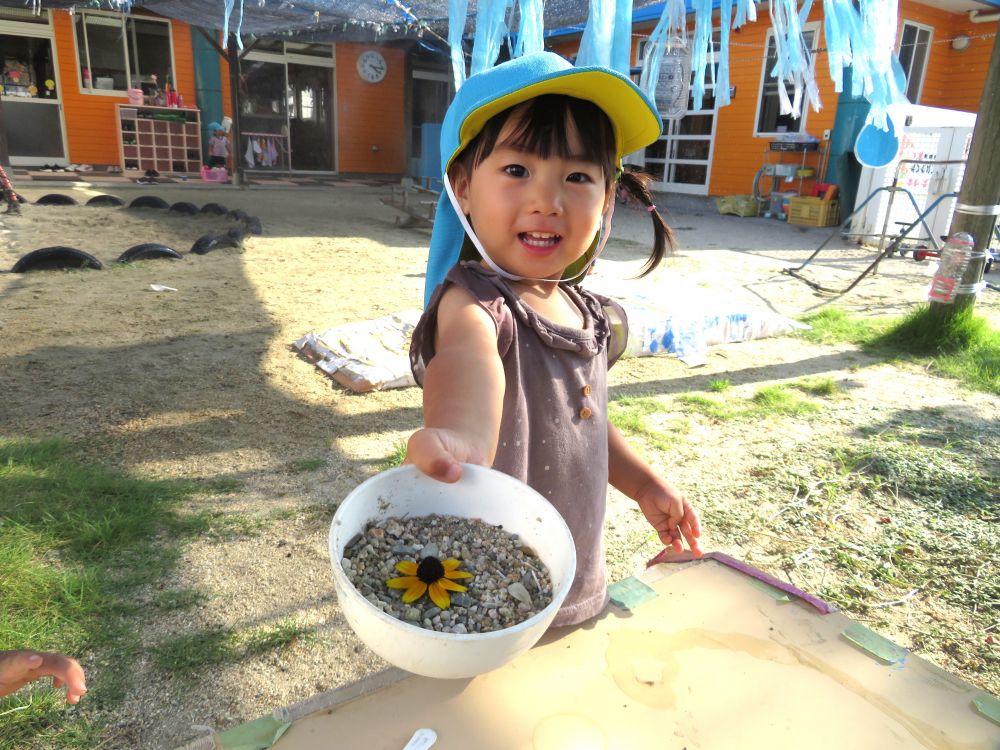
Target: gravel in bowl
{"type": "Point", "coordinates": [508, 582]}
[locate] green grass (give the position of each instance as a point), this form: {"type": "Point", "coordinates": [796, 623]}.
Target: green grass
{"type": "Point", "coordinates": [395, 458]}
{"type": "Point", "coordinates": [833, 326]}
{"type": "Point", "coordinates": [186, 655]}
{"type": "Point", "coordinates": [720, 385]}
{"type": "Point", "coordinates": [79, 543]}
{"type": "Point", "coordinates": [817, 386]}
{"type": "Point", "coordinates": [769, 401]}
{"type": "Point", "coordinates": [956, 343]}
{"type": "Point", "coordinates": [642, 416]}
{"type": "Point", "coordinates": [306, 464]}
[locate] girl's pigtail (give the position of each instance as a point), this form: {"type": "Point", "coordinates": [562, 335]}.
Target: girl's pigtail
{"type": "Point", "coordinates": [636, 183]}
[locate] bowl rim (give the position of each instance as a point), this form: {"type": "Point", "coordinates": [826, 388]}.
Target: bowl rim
{"type": "Point", "coordinates": [547, 612]}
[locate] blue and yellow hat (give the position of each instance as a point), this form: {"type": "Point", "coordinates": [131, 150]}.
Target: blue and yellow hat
{"type": "Point", "coordinates": [633, 116]}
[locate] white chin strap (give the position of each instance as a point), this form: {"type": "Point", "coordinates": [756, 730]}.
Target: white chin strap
{"type": "Point", "coordinates": [601, 240]}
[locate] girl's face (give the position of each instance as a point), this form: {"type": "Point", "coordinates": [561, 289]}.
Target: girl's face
{"type": "Point", "coordinates": [535, 216]}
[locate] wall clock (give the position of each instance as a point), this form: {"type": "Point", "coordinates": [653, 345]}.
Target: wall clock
{"type": "Point", "coordinates": [372, 66]}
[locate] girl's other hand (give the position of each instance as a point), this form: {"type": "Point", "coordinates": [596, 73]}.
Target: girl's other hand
{"type": "Point", "coordinates": [439, 453]}
{"type": "Point", "coordinates": [18, 668]}
{"type": "Point", "coordinates": [670, 513]}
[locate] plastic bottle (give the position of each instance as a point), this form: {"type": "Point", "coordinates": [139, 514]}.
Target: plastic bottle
{"type": "Point", "coordinates": [955, 258]}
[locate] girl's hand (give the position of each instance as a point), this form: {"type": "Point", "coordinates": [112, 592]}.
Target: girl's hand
{"type": "Point", "coordinates": [438, 453]}
{"type": "Point", "coordinates": [670, 513]}
{"type": "Point", "coordinates": [18, 668]}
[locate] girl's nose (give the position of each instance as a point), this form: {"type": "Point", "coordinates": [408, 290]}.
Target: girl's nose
{"type": "Point", "coordinates": [546, 196]}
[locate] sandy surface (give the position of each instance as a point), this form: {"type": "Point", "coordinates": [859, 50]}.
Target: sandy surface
{"type": "Point", "coordinates": [201, 382]}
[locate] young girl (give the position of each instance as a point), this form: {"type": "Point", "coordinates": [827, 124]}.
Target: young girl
{"type": "Point", "coordinates": [512, 356]}
{"type": "Point", "coordinates": [218, 146]}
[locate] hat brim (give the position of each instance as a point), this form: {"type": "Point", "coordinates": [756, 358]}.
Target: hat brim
{"type": "Point", "coordinates": [633, 117]}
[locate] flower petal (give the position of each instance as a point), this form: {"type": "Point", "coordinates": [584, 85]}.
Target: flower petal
{"type": "Point", "coordinates": [439, 596]}
{"type": "Point", "coordinates": [407, 567]}
{"type": "Point", "coordinates": [457, 574]}
{"type": "Point", "coordinates": [450, 585]}
{"type": "Point", "coordinates": [451, 563]}
{"type": "Point", "coordinates": [415, 591]}
{"type": "Point", "coordinates": [401, 583]}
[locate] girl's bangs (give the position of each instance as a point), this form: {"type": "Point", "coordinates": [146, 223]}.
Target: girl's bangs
{"type": "Point", "coordinates": [541, 130]}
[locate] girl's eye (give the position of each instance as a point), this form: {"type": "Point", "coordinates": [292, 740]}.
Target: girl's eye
{"type": "Point", "coordinates": [515, 170]}
{"type": "Point", "coordinates": [580, 177]}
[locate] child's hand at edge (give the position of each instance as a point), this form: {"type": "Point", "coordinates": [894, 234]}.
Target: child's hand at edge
{"type": "Point", "coordinates": [670, 513]}
{"type": "Point", "coordinates": [438, 453]}
{"type": "Point", "coordinates": [18, 668]}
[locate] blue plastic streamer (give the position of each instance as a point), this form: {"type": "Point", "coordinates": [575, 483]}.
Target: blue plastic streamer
{"type": "Point", "coordinates": [621, 44]}
{"type": "Point", "coordinates": [595, 44]}
{"type": "Point", "coordinates": [722, 80]}
{"type": "Point", "coordinates": [746, 10]}
{"type": "Point", "coordinates": [794, 62]}
{"type": "Point", "coordinates": [531, 28]}
{"type": "Point", "coordinates": [491, 28]}
{"type": "Point", "coordinates": [699, 50]}
{"type": "Point", "coordinates": [653, 56]}
{"type": "Point", "coordinates": [457, 11]}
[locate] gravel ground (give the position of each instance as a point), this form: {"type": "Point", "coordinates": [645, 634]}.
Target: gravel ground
{"type": "Point", "coordinates": [202, 383]}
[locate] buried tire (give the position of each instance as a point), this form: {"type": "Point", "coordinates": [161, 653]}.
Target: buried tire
{"type": "Point", "coordinates": [56, 199]}
{"type": "Point", "coordinates": [56, 258]}
{"type": "Point", "coordinates": [148, 251]}
{"type": "Point", "coordinates": [149, 201]}
{"type": "Point", "coordinates": [105, 200]}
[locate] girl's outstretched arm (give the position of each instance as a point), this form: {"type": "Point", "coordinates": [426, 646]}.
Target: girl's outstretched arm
{"type": "Point", "coordinates": [666, 509]}
{"type": "Point", "coordinates": [463, 392]}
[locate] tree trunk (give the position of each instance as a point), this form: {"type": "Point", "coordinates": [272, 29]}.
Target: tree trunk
{"type": "Point", "coordinates": [976, 208]}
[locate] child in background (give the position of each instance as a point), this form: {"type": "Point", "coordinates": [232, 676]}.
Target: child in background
{"type": "Point", "coordinates": [512, 355]}
{"type": "Point", "coordinates": [18, 668]}
{"type": "Point", "coordinates": [218, 146]}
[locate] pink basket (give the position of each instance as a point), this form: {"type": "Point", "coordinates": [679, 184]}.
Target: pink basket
{"type": "Point", "coordinates": [214, 174]}
{"type": "Point", "coordinates": [135, 96]}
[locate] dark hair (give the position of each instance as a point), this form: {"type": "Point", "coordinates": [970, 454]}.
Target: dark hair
{"type": "Point", "coordinates": [542, 131]}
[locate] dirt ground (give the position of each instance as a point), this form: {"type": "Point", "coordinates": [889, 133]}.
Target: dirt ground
{"type": "Point", "coordinates": [201, 382]}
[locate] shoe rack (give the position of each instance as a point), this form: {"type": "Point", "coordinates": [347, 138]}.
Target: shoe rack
{"type": "Point", "coordinates": [164, 139]}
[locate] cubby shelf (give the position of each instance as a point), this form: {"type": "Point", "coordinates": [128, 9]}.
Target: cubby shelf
{"type": "Point", "coordinates": [165, 139]}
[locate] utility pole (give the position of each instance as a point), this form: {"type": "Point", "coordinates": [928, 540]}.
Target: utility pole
{"type": "Point", "coordinates": [977, 208]}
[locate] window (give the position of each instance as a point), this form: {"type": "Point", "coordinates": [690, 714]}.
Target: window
{"type": "Point", "coordinates": [914, 49]}
{"type": "Point", "coordinates": [770, 121]}
{"type": "Point", "coordinates": [116, 52]}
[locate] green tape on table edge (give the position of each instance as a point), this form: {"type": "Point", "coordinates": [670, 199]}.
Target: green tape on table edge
{"type": "Point", "coordinates": [258, 734]}
{"type": "Point", "coordinates": [875, 645]}
{"type": "Point", "coordinates": [630, 592]}
{"type": "Point", "coordinates": [989, 706]}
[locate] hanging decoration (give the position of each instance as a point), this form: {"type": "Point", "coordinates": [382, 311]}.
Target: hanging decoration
{"type": "Point", "coordinates": [865, 39]}
{"type": "Point", "coordinates": [701, 47]}
{"type": "Point", "coordinates": [530, 37]}
{"type": "Point", "coordinates": [607, 37]}
{"type": "Point", "coordinates": [666, 62]}
{"type": "Point", "coordinates": [491, 28]}
{"type": "Point", "coordinates": [794, 62]}
{"type": "Point", "coordinates": [722, 77]}
{"type": "Point", "coordinates": [457, 11]}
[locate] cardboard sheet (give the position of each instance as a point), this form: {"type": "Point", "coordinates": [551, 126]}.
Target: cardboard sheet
{"type": "Point", "coordinates": [710, 661]}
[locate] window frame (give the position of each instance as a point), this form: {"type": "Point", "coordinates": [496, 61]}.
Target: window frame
{"type": "Point", "coordinates": [126, 36]}
{"type": "Point", "coordinates": [927, 58]}
{"type": "Point", "coordinates": [815, 28]}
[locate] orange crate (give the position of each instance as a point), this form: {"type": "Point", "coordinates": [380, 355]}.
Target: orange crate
{"type": "Point", "coordinates": [813, 212]}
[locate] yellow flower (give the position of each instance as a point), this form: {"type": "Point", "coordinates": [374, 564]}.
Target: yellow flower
{"type": "Point", "coordinates": [430, 576]}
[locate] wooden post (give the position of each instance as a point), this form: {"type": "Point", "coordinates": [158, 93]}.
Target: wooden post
{"type": "Point", "coordinates": [233, 56]}
{"type": "Point", "coordinates": [975, 210]}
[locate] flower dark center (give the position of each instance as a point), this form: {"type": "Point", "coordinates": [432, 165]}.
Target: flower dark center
{"type": "Point", "coordinates": [430, 570]}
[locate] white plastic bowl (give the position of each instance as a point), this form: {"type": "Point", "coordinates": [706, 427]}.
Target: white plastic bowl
{"type": "Point", "coordinates": [481, 493]}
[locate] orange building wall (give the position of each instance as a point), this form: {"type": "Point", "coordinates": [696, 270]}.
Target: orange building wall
{"type": "Point", "coordinates": [954, 78]}
{"type": "Point", "coordinates": [90, 118]}
{"type": "Point", "coordinates": [370, 114]}
{"type": "Point", "coordinates": [738, 154]}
